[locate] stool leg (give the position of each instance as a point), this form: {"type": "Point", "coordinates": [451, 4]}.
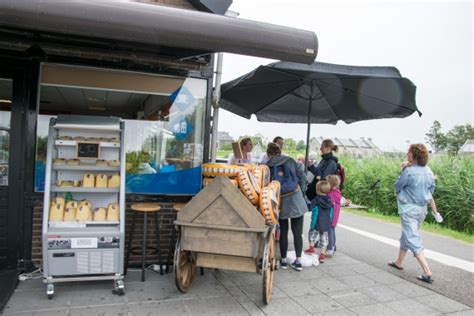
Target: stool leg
{"type": "Point", "coordinates": [171, 249]}
{"type": "Point", "coordinates": [158, 242]}
{"type": "Point", "coordinates": [130, 241]}
{"type": "Point", "coordinates": [144, 245]}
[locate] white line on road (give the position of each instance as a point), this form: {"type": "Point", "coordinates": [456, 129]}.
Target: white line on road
{"type": "Point", "coordinates": [433, 255]}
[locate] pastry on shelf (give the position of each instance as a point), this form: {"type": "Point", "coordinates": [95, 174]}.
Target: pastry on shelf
{"type": "Point", "coordinates": [113, 212]}
{"type": "Point", "coordinates": [58, 200]}
{"type": "Point", "coordinates": [102, 162]}
{"type": "Point", "coordinates": [72, 204]}
{"type": "Point", "coordinates": [100, 214]}
{"type": "Point", "coordinates": [93, 139]}
{"type": "Point", "coordinates": [64, 137]}
{"type": "Point", "coordinates": [79, 138]}
{"type": "Point", "coordinates": [114, 181]}
{"type": "Point", "coordinates": [64, 183]}
{"type": "Point", "coordinates": [56, 212]}
{"type": "Point", "coordinates": [101, 181]}
{"type": "Point", "coordinates": [114, 163]}
{"type": "Point", "coordinates": [77, 183]}
{"type": "Point", "coordinates": [114, 140]}
{"type": "Point", "coordinates": [70, 214]}
{"type": "Point", "coordinates": [59, 161]}
{"type": "Point", "coordinates": [73, 162]}
{"type": "Point", "coordinates": [83, 213]}
{"type": "Point", "coordinates": [104, 139]}
{"type": "Point", "coordinates": [85, 202]}
{"type": "Point", "coordinates": [88, 180]}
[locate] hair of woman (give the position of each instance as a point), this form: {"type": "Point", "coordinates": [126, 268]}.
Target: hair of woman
{"type": "Point", "coordinates": [273, 150]}
{"type": "Point", "coordinates": [329, 144]}
{"type": "Point", "coordinates": [420, 154]}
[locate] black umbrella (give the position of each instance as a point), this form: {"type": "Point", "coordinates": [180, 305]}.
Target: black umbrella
{"type": "Point", "coordinates": [288, 92]}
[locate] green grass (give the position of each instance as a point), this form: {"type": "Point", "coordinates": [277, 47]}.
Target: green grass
{"type": "Point", "coordinates": [428, 227]}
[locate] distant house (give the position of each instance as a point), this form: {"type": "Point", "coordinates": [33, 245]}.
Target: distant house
{"type": "Point", "coordinates": [358, 147]}
{"type": "Point", "coordinates": [467, 148]}
{"type": "Point", "coordinates": [223, 138]}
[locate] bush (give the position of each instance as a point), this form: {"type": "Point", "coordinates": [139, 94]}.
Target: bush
{"type": "Point", "coordinates": [454, 192]}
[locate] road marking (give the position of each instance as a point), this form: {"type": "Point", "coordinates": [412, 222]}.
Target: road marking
{"type": "Point", "coordinates": [430, 254]}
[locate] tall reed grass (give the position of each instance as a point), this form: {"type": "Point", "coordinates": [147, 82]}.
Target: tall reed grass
{"type": "Point", "coordinates": [454, 193]}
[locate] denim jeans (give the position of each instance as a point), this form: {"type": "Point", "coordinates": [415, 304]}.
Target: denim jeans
{"type": "Point", "coordinates": [411, 222]}
{"type": "Point", "coordinates": [332, 239]}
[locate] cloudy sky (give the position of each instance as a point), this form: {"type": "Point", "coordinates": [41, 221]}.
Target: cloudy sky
{"type": "Point", "coordinates": [430, 42]}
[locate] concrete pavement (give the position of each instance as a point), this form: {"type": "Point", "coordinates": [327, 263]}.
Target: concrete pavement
{"type": "Point", "coordinates": [341, 286]}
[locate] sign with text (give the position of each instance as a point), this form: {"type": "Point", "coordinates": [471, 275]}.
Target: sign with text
{"type": "Point", "coordinates": [88, 150]}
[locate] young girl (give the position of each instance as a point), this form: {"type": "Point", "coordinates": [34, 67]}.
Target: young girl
{"type": "Point", "coordinates": [335, 195]}
{"type": "Point", "coordinates": [321, 218]}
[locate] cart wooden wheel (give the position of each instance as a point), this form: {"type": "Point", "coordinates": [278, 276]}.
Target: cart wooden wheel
{"type": "Point", "coordinates": [269, 264]}
{"type": "Point", "coordinates": [184, 268]}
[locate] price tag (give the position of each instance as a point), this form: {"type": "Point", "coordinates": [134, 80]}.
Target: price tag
{"type": "Point", "coordinates": [88, 150]}
{"type": "Point", "coordinates": [83, 242]}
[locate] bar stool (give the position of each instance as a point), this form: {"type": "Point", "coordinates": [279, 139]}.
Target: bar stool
{"type": "Point", "coordinates": [144, 208]}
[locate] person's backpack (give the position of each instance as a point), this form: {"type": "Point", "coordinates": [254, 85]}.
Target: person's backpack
{"type": "Point", "coordinates": [287, 178]}
{"type": "Point", "coordinates": [341, 173]}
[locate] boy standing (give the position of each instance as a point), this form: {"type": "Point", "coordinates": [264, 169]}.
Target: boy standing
{"type": "Point", "coordinates": [321, 218]}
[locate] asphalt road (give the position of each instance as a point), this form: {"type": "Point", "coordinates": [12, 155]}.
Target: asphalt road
{"type": "Point", "coordinates": [450, 281]}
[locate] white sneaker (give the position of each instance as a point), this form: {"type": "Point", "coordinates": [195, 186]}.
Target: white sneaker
{"type": "Point", "coordinates": [438, 217]}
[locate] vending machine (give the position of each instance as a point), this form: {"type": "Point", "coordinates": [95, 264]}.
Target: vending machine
{"type": "Point", "coordinates": [84, 201]}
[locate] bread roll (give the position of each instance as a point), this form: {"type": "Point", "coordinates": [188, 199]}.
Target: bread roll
{"type": "Point", "coordinates": [101, 181]}
{"type": "Point", "coordinates": [72, 204]}
{"type": "Point", "coordinates": [85, 202]}
{"type": "Point", "coordinates": [100, 214]}
{"type": "Point", "coordinates": [70, 214]}
{"type": "Point", "coordinates": [101, 162]}
{"type": "Point", "coordinates": [83, 213]}
{"type": "Point", "coordinates": [56, 212]}
{"type": "Point", "coordinates": [114, 181]}
{"type": "Point", "coordinates": [59, 161]}
{"type": "Point", "coordinates": [88, 181]}
{"type": "Point", "coordinates": [114, 163]}
{"type": "Point", "coordinates": [58, 200]}
{"type": "Point", "coordinates": [113, 212]}
{"type": "Point", "coordinates": [73, 162]}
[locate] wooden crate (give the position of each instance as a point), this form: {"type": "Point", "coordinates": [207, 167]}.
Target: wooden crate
{"type": "Point", "coordinates": [220, 220]}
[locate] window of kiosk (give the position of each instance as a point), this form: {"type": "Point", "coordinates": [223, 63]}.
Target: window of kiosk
{"type": "Point", "coordinates": [5, 115]}
{"type": "Point", "coordinates": [164, 123]}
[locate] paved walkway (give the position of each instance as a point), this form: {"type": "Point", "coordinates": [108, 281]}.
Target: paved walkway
{"type": "Point", "coordinates": [341, 286]}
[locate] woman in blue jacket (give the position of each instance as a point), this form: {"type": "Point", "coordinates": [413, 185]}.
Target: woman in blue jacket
{"type": "Point", "coordinates": [414, 189]}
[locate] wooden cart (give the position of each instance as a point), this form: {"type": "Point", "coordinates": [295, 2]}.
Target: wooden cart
{"type": "Point", "coordinates": [219, 228]}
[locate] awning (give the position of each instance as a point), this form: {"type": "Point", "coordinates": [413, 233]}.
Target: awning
{"type": "Point", "coordinates": [141, 23]}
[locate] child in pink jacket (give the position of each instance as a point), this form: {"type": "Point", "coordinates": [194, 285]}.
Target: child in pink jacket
{"type": "Point", "coordinates": [335, 195]}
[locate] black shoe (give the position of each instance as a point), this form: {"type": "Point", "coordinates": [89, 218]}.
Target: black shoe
{"type": "Point", "coordinates": [297, 266]}
{"type": "Point", "coordinates": [283, 265]}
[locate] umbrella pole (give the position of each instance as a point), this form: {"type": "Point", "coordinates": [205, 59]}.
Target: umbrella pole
{"type": "Point", "coordinates": [308, 132]}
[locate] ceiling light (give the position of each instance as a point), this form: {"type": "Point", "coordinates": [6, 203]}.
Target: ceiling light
{"type": "Point", "coordinates": [5, 101]}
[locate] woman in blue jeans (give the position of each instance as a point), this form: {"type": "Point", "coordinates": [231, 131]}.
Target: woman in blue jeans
{"type": "Point", "coordinates": [414, 188]}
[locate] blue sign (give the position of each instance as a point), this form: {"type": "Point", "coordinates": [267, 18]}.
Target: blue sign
{"type": "Point", "coordinates": [182, 98]}
{"type": "Point", "coordinates": [182, 129]}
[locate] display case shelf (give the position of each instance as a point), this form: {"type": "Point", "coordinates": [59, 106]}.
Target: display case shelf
{"type": "Point", "coordinates": [85, 168]}
{"type": "Point", "coordinates": [60, 142]}
{"type": "Point", "coordinates": [84, 190]}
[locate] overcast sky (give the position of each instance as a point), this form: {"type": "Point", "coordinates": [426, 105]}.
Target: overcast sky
{"type": "Point", "coordinates": [430, 42]}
